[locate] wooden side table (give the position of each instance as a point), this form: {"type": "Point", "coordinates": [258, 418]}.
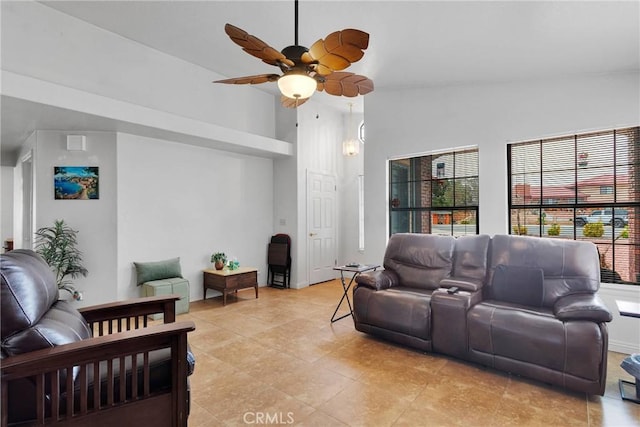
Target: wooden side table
{"type": "Point", "coordinates": [628, 308]}
{"type": "Point", "coordinates": [226, 281]}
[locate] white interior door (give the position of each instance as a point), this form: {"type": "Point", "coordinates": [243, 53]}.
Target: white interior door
{"type": "Point", "coordinates": [321, 228]}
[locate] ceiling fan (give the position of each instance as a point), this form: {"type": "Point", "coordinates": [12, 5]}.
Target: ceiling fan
{"type": "Point", "coordinates": [306, 70]}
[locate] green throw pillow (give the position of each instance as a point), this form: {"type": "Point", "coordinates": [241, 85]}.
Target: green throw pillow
{"type": "Point", "coordinates": [157, 270]}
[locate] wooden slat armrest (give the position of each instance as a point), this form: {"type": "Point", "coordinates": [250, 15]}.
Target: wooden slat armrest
{"type": "Point", "coordinates": [93, 349]}
{"type": "Point", "coordinates": [133, 307]}
{"type": "Point", "coordinates": [64, 400]}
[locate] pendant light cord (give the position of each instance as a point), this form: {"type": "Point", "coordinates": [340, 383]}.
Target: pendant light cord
{"type": "Point", "coordinates": [350, 120]}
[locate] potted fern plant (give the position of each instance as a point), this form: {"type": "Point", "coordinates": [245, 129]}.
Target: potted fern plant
{"type": "Point", "coordinates": [58, 246]}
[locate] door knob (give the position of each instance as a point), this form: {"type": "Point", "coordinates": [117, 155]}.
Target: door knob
{"type": "Point", "coordinates": [312, 234]}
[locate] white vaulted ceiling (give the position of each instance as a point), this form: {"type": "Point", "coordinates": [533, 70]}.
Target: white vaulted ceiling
{"type": "Point", "coordinates": [412, 43]}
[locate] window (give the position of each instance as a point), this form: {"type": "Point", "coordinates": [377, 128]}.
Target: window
{"type": "Point", "coordinates": [581, 187]}
{"type": "Point", "coordinates": [434, 194]}
{"type": "Point", "coordinates": [606, 189]}
{"type": "Point", "coordinates": [361, 132]}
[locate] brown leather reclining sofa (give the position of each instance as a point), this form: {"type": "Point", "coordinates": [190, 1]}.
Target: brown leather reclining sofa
{"type": "Point", "coordinates": [524, 305]}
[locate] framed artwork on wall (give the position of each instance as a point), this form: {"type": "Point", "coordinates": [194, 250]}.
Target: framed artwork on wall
{"type": "Point", "coordinates": [76, 182]}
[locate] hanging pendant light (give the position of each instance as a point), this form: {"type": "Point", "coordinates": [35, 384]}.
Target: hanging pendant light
{"type": "Point", "coordinates": [350, 146]}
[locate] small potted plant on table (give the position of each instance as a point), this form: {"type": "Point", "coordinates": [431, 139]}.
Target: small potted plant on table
{"type": "Point", "coordinates": [219, 259]}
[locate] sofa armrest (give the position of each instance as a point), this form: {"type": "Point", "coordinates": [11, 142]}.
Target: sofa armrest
{"type": "Point", "coordinates": [129, 314]}
{"type": "Point", "coordinates": [582, 307]}
{"type": "Point", "coordinates": [462, 299]}
{"type": "Point", "coordinates": [449, 331]}
{"type": "Point", "coordinates": [378, 280]}
{"type": "Point", "coordinates": [47, 369]}
{"type": "Point", "coordinates": [463, 283]}
{"type": "Point", "coordinates": [93, 349]}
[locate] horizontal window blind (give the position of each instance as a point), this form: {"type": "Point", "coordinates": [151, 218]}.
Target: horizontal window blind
{"type": "Point", "coordinates": [582, 187]}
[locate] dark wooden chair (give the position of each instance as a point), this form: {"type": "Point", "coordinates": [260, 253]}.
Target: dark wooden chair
{"type": "Point", "coordinates": [97, 366]}
{"type": "Point", "coordinates": [279, 261]}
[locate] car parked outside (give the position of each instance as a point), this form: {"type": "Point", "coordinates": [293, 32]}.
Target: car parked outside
{"type": "Point", "coordinates": [620, 219]}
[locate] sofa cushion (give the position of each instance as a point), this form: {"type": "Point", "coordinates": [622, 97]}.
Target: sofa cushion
{"type": "Point", "coordinates": [420, 260]}
{"type": "Point", "coordinates": [518, 285]}
{"type": "Point", "coordinates": [157, 270]}
{"type": "Point", "coordinates": [502, 331]}
{"type": "Point", "coordinates": [62, 324]}
{"type": "Point", "coordinates": [569, 266]}
{"type": "Point", "coordinates": [28, 290]}
{"type": "Point", "coordinates": [399, 309]}
{"type": "Point", "coordinates": [470, 258]}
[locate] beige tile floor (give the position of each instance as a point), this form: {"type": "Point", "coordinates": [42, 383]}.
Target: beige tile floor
{"type": "Point", "coordinates": [278, 360]}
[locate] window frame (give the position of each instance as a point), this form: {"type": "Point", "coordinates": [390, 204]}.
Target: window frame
{"type": "Point", "coordinates": [578, 207]}
{"type": "Point", "coordinates": [416, 214]}
{"type": "Point", "coordinates": [361, 130]}
{"type": "Point", "coordinates": [606, 189]}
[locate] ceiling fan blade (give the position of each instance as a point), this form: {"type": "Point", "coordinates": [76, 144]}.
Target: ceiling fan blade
{"type": "Point", "coordinates": [356, 37]}
{"type": "Point", "coordinates": [337, 51]}
{"type": "Point", "coordinates": [256, 47]}
{"type": "Point", "coordinates": [292, 103]}
{"type": "Point", "coordinates": [346, 84]}
{"type": "Point", "coordinates": [253, 80]}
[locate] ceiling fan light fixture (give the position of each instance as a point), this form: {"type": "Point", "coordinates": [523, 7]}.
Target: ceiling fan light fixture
{"type": "Point", "coordinates": [307, 69]}
{"type": "Point", "coordinates": [297, 85]}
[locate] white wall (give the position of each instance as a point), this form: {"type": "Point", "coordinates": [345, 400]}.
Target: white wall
{"type": "Point", "coordinates": [41, 42]}
{"type": "Point", "coordinates": [213, 201]}
{"type": "Point", "coordinates": [316, 130]}
{"type": "Point", "coordinates": [158, 200]}
{"type": "Point", "coordinates": [413, 121]}
{"type": "Point", "coordinates": [351, 168]}
{"type": "Point", "coordinates": [95, 220]}
{"type": "Point", "coordinates": [182, 201]}
{"type": "Point", "coordinates": [285, 188]}
{"type": "Point", "coordinates": [624, 335]}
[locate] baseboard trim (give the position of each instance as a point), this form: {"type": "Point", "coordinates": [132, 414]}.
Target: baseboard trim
{"type": "Point", "coordinates": [623, 330]}
{"type": "Point", "coordinates": [622, 347]}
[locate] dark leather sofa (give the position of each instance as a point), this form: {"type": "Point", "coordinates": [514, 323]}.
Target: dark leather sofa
{"type": "Point", "coordinates": [97, 366]}
{"type": "Point", "coordinates": [524, 305]}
